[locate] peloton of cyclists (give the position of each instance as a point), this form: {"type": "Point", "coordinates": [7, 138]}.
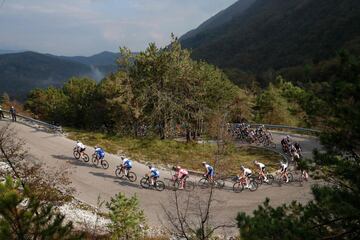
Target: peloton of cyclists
{"type": "Point", "coordinates": [180, 174]}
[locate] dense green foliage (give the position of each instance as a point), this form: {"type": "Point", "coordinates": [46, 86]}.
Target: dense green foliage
{"type": "Point", "coordinates": [23, 216]}
{"type": "Point", "coordinates": [160, 88]}
{"type": "Point", "coordinates": [335, 211]}
{"type": "Point", "coordinates": [127, 221]}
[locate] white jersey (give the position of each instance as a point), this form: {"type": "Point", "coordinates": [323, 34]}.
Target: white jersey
{"type": "Point", "coordinates": [80, 145]}
{"type": "Point", "coordinates": [261, 165]}
{"type": "Point", "coordinates": [284, 165]}
{"type": "Point", "coordinates": [247, 171]}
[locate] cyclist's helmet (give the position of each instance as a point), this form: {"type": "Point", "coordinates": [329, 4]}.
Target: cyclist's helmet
{"type": "Point", "coordinates": [242, 167]}
{"type": "Point", "coordinates": [149, 166]}
{"type": "Point", "coordinates": [178, 167]}
{"type": "Point", "coordinates": [255, 161]}
{"type": "Point", "coordinates": [203, 163]}
{"type": "Point", "coordinates": [77, 141]}
{"type": "Point", "coordinates": [287, 137]}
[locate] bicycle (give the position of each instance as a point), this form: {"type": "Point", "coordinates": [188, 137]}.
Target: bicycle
{"type": "Point", "coordinates": [205, 182]}
{"type": "Point", "coordinates": [175, 184]}
{"type": "Point", "coordinates": [158, 185]}
{"type": "Point", "coordinates": [120, 173]}
{"type": "Point", "coordinates": [281, 178]}
{"type": "Point", "coordinates": [240, 184]}
{"type": "Point", "coordinates": [95, 160]}
{"type": "Point", "coordinates": [77, 155]}
{"type": "Point", "coordinates": [260, 179]}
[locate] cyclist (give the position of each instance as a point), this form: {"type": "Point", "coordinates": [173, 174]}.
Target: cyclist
{"type": "Point", "coordinates": [285, 143]}
{"type": "Point", "coordinates": [210, 173]}
{"type": "Point", "coordinates": [293, 152]}
{"type": "Point", "coordinates": [283, 170]}
{"type": "Point", "coordinates": [180, 174]}
{"type": "Point", "coordinates": [154, 174]}
{"type": "Point", "coordinates": [262, 169]}
{"type": "Point", "coordinates": [298, 148]}
{"type": "Point", "coordinates": [80, 147]}
{"type": "Point", "coordinates": [126, 164]}
{"type": "Point", "coordinates": [246, 173]}
{"type": "Point", "coordinates": [100, 153]}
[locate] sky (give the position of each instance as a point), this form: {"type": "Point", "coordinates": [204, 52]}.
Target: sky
{"type": "Point", "coordinates": [86, 27]}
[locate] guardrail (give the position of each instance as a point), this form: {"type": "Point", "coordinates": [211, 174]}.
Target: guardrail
{"type": "Point", "coordinates": [272, 126]}
{"type": "Point", "coordinates": [32, 120]}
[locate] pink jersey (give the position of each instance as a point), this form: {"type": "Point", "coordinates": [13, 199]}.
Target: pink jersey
{"type": "Point", "coordinates": [183, 172]}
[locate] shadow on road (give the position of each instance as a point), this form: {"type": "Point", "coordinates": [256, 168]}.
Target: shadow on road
{"type": "Point", "coordinates": [117, 180]}
{"type": "Point", "coordinates": [72, 160]}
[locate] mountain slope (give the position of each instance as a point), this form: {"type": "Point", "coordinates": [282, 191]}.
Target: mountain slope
{"type": "Point", "coordinates": [21, 72]}
{"type": "Point", "coordinates": [277, 34]}
{"type": "Point", "coordinates": [220, 18]}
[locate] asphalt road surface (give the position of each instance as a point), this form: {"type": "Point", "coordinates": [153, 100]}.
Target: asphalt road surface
{"type": "Point", "coordinates": [90, 182]}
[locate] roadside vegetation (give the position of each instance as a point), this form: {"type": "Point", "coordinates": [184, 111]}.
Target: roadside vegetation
{"type": "Point", "coordinates": [177, 152]}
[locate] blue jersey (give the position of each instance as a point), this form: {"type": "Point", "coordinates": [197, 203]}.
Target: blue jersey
{"type": "Point", "coordinates": [100, 152]}
{"type": "Point", "coordinates": [127, 163]}
{"type": "Point", "coordinates": [154, 172]}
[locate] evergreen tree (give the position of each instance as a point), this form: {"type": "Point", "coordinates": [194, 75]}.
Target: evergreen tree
{"type": "Point", "coordinates": [22, 216]}
{"type": "Point", "coordinates": [127, 220]}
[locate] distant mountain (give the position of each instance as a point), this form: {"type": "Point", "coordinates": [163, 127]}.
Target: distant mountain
{"type": "Point", "coordinates": [22, 72]}
{"type": "Point", "coordinates": [5, 51]}
{"type": "Point", "coordinates": [220, 18]}
{"type": "Point", "coordinates": [100, 59]}
{"type": "Point", "coordinates": [274, 34]}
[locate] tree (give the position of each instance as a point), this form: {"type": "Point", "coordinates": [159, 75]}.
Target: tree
{"type": "Point", "coordinates": [23, 216]}
{"type": "Point", "coordinates": [127, 221]}
{"type": "Point", "coordinates": [335, 211]}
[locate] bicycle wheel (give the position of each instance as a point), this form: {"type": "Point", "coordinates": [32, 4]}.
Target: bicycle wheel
{"type": "Point", "coordinates": [104, 164]}
{"type": "Point", "coordinates": [94, 160]}
{"type": "Point", "coordinates": [203, 183]}
{"type": "Point", "coordinates": [76, 154]}
{"type": "Point", "coordinates": [253, 186]}
{"type": "Point", "coordinates": [258, 179]}
{"type": "Point", "coordinates": [270, 179]}
{"type": "Point", "coordinates": [132, 176]}
{"type": "Point", "coordinates": [85, 157]}
{"type": "Point", "coordinates": [119, 173]}
{"type": "Point", "coordinates": [290, 177]}
{"type": "Point", "coordinates": [238, 187]}
{"type": "Point", "coordinates": [144, 182]}
{"type": "Point", "coordinates": [220, 183]}
{"type": "Point", "coordinates": [189, 186]}
{"type": "Point", "coordinates": [159, 185]}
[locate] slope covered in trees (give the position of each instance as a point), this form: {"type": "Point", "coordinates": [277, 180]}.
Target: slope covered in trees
{"type": "Point", "coordinates": [274, 34]}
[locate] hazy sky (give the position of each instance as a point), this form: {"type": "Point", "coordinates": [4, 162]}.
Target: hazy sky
{"type": "Point", "coordinates": [85, 27]}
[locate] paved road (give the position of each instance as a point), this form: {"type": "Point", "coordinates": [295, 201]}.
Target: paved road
{"type": "Point", "coordinates": [89, 182]}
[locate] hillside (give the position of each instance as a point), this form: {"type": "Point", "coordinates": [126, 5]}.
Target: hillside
{"type": "Point", "coordinates": [220, 18]}
{"type": "Point", "coordinates": [273, 34]}
{"type": "Point", "coordinates": [21, 72]}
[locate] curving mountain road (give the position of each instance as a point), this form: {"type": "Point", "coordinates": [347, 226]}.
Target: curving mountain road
{"type": "Point", "coordinates": [89, 182]}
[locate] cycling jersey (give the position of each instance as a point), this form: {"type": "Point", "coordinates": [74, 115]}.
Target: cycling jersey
{"type": "Point", "coordinates": [127, 163]}
{"type": "Point", "coordinates": [100, 153]}
{"type": "Point", "coordinates": [247, 172]}
{"type": "Point", "coordinates": [154, 172]}
{"type": "Point", "coordinates": [80, 146]}
{"type": "Point", "coordinates": [261, 166]}
{"type": "Point", "coordinates": [182, 173]}
{"type": "Point", "coordinates": [284, 166]}
{"type": "Point", "coordinates": [210, 170]}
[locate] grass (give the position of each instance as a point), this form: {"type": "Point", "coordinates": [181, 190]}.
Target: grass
{"type": "Point", "coordinates": [172, 152]}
